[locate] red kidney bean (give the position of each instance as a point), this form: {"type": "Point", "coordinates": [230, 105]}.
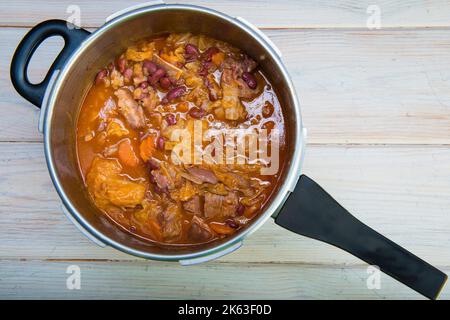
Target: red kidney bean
{"type": "Point", "coordinates": [156, 76]}
{"type": "Point", "coordinates": [171, 120]}
{"type": "Point", "coordinates": [132, 229]}
{"type": "Point", "coordinates": [150, 66]}
{"type": "Point", "coordinates": [121, 64]}
{"type": "Point", "coordinates": [174, 93]}
{"type": "Point", "coordinates": [250, 80]}
{"type": "Point", "coordinates": [203, 72]}
{"type": "Point", "coordinates": [159, 190]}
{"type": "Point", "coordinates": [206, 67]}
{"type": "Point", "coordinates": [165, 83]}
{"type": "Point", "coordinates": [152, 179]}
{"type": "Point", "coordinates": [240, 210]}
{"type": "Point", "coordinates": [143, 84]}
{"type": "Point", "coordinates": [231, 223]}
{"type": "Point", "coordinates": [191, 50]}
{"type": "Point", "coordinates": [160, 143]}
{"type": "Point", "coordinates": [101, 75]}
{"type": "Point", "coordinates": [127, 74]}
{"type": "Point", "coordinates": [207, 55]}
{"type": "Point", "coordinates": [196, 113]}
{"type": "Point", "coordinates": [153, 165]}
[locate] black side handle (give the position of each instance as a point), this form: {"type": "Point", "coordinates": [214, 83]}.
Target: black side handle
{"type": "Point", "coordinates": [312, 212]}
{"type": "Point", "coordinates": [73, 36]}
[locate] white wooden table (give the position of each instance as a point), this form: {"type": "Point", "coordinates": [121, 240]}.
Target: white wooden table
{"type": "Point", "coordinates": [377, 106]}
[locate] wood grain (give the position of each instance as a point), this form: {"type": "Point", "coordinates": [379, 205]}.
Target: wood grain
{"type": "Point", "coordinates": [377, 106]}
{"type": "Point", "coordinates": [263, 13]}
{"type": "Point", "coordinates": [400, 191]}
{"type": "Point", "coordinates": [388, 87]}
{"type": "Point", "coordinates": [153, 280]}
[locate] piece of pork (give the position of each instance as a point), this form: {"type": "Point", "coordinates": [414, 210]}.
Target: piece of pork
{"type": "Point", "coordinates": [202, 175]}
{"type": "Point", "coordinates": [129, 108]}
{"type": "Point", "coordinates": [194, 205]}
{"type": "Point", "coordinates": [167, 177]}
{"type": "Point", "coordinates": [217, 205]}
{"type": "Point", "coordinates": [171, 221]}
{"type": "Point", "coordinates": [199, 230]}
{"type": "Point", "coordinates": [235, 181]}
{"type": "Point", "coordinates": [109, 188]}
{"type": "Point", "coordinates": [231, 104]}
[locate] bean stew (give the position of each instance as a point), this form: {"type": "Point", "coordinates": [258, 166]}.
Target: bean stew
{"type": "Point", "coordinates": [129, 128]}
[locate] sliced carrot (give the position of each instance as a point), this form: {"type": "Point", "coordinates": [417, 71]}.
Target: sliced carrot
{"type": "Point", "coordinates": [156, 229]}
{"type": "Point", "coordinates": [165, 56]}
{"type": "Point", "coordinates": [146, 148]}
{"type": "Point", "coordinates": [218, 58]}
{"type": "Point", "coordinates": [221, 228]}
{"type": "Point", "coordinates": [126, 154]}
{"type": "Point", "coordinates": [183, 106]}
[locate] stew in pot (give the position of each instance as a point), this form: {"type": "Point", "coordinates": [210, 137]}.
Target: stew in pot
{"type": "Point", "coordinates": [143, 160]}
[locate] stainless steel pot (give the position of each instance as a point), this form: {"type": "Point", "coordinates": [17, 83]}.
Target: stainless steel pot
{"type": "Point", "coordinates": [310, 211]}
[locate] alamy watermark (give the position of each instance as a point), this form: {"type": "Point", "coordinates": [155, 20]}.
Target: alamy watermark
{"type": "Point", "coordinates": [373, 281]}
{"type": "Point", "coordinates": [374, 19]}
{"type": "Point", "coordinates": [73, 281]}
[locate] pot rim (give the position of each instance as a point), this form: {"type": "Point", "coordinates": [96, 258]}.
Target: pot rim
{"type": "Point", "coordinates": [287, 186]}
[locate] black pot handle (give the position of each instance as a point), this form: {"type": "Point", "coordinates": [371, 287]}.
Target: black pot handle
{"type": "Point", "coordinates": [312, 212]}
{"type": "Point", "coordinates": [73, 36]}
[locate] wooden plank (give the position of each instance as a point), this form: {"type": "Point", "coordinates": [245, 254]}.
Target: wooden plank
{"type": "Point", "coordinates": [153, 280]}
{"type": "Point", "coordinates": [267, 14]}
{"type": "Point", "coordinates": [354, 86]}
{"type": "Point", "coordinates": [400, 191]}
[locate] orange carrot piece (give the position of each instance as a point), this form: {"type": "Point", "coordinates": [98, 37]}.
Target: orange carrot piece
{"type": "Point", "coordinates": [126, 154]}
{"type": "Point", "coordinates": [156, 230]}
{"type": "Point", "coordinates": [218, 58]}
{"type": "Point", "coordinates": [221, 228]}
{"type": "Point", "coordinates": [146, 148]}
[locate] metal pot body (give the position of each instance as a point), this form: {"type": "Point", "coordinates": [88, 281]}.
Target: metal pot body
{"type": "Point", "coordinates": [68, 85]}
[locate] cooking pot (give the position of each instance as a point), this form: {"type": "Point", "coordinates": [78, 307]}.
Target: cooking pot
{"type": "Point", "coordinates": [299, 204]}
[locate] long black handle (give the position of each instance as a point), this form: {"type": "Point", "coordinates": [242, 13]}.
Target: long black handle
{"type": "Point", "coordinates": [73, 37]}
{"type": "Point", "coordinates": [312, 212]}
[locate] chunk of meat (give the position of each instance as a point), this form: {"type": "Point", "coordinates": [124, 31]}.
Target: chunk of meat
{"type": "Point", "coordinates": [194, 205]}
{"type": "Point", "coordinates": [146, 219]}
{"type": "Point", "coordinates": [203, 175]}
{"type": "Point", "coordinates": [233, 76]}
{"type": "Point", "coordinates": [241, 64]}
{"type": "Point", "coordinates": [199, 230]}
{"type": "Point", "coordinates": [160, 179]}
{"type": "Point", "coordinates": [167, 176]}
{"type": "Point", "coordinates": [109, 188]}
{"type": "Point", "coordinates": [129, 108]}
{"type": "Point", "coordinates": [186, 192]}
{"type": "Point", "coordinates": [231, 104]}
{"type": "Point", "coordinates": [218, 188]}
{"type": "Point", "coordinates": [170, 220]}
{"type": "Point", "coordinates": [235, 181]}
{"type": "Point", "coordinates": [217, 205]}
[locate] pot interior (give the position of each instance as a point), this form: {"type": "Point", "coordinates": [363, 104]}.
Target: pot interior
{"type": "Point", "coordinates": [101, 48]}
